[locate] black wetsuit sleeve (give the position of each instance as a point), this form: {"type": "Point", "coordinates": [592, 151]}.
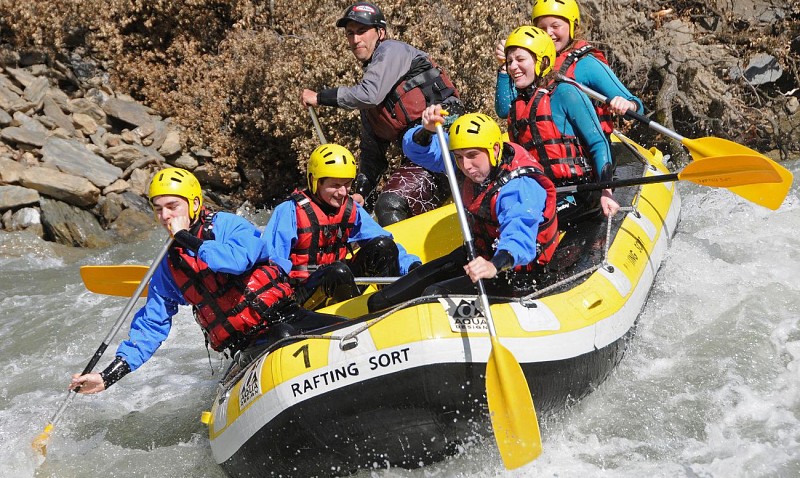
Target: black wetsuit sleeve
{"type": "Point", "coordinates": [188, 241]}
{"type": "Point", "coordinates": [422, 137]}
{"type": "Point", "coordinates": [502, 260]}
{"type": "Point", "coordinates": [327, 97]}
{"type": "Point", "coordinates": [115, 371]}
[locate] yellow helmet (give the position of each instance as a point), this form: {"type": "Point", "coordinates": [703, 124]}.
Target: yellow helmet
{"type": "Point", "coordinates": [568, 9]}
{"type": "Point", "coordinates": [177, 182]}
{"type": "Point", "coordinates": [475, 130]}
{"type": "Point", "coordinates": [536, 41]}
{"type": "Point", "coordinates": [330, 161]}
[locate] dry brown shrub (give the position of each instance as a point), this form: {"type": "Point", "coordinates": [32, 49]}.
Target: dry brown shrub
{"type": "Point", "coordinates": [231, 72]}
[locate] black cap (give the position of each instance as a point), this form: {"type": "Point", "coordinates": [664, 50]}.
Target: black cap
{"type": "Point", "coordinates": [364, 13]}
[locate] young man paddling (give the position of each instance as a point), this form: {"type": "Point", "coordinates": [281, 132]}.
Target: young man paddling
{"type": "Point", "coordinates": [510, 204]}
{"type": "Point", "coordinates": [311, 234]}
{"type": "Point", "coordinates": [216, 264]}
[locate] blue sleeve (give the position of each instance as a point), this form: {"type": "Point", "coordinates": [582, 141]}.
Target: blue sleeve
{"type": "Point", "coordinates": [598, 76]}
{"type": "Point", "coordinates": [150, 326]}
{"type": "Point", "coordinates": [574, 114]}
{"type": "Point", "coordinates": [236, 246]}
{"type": "Point", "coordinates": [519, 207]}
{"type": "Point", "coordinates": [280, 233]}
{"type": "Point", "coordinates": [429, 157]}
{"type": "Point", "coordinates": [366, 228]}
{"type": "Point", "coordinates": [505, 93]}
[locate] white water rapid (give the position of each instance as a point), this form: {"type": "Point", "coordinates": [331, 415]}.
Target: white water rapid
{"type": "Point", "coordinates": [710, 386]}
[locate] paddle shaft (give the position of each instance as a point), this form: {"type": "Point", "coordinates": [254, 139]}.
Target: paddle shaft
{"type": "Point", "coordinates": [375, 280]}
{"type": "Point", "coordinates": [462, 219]}
{"type": "Point", "coordinates": [317, 127]}
{"type": "Point", "coordinates": [115, 328]}
{"type": "Point", "coordinates": [122, 280]}
{"type": "Point", "coordinates": [661, 178]}
{"type": "Point", "coordinates": [630, 113]}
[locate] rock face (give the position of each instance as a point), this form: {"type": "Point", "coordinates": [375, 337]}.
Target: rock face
{"type": "Point", "coordinates": [74, 166]}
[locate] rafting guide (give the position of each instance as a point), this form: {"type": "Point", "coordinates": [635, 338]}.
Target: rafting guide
{"type": "Point", "coordinates": [399, 81]}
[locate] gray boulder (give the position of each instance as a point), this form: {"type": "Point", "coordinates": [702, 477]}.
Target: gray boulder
{"type": "Point", "coordinates": [72, 189]}
{"type": "Point", "coordinates": [12, 197]}
{"type": "Point", "coordinates": [72, 226]}
{"type": "Point", "coordinates": [72, 156]}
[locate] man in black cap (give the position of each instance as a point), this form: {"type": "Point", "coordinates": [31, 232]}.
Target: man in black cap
{"type": "Point", "coordinates": [399, 82]}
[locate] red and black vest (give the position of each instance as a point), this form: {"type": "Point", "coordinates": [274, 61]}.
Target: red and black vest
{"type": "Point", "coordinates": [565, 65]}
{"type": "Point", "coordinates": [425, 84]}
{"type": "Point", "coordinates": [514, 162]}
{"type": "Point", "coordinates": [530, 124]}
{"type": "Point", "coordinates": [229, 308]}
{"type": "Point", "coordinates": [321, 238]}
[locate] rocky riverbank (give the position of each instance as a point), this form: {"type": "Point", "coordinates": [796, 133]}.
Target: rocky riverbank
{"type": "Point", "coordinates": [76, 159]}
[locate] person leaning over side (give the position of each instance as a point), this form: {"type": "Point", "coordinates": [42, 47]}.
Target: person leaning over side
{"type": "Point", "coordinates": [576, 59]}
{"type": "Point", "coordinates": [311, 234]}
{"type": "Point", "coordinates": [557, 124]}
{"type": "Point", "coordinates": [216, 264]}
{"type": "Point", "coordinates": [510, 204]}
{"type": "Point", "coordinates": [399, 81]}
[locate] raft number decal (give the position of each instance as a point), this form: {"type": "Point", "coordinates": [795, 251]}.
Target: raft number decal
{"type": "Point", "coordinates": [306, 358]}
{"type": "Point", "coordinates": [251, 388]}
{"type": "Point", "coordinates": [344, 372]}
{"type": "Point", "coordinates": [464, 315]}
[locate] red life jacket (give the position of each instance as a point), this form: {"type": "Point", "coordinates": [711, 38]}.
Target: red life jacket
{"type": "Point", "coordinates": [425, 84]}
{"type": "Point", "coordinates": [530, 124]}
{"type": "Point", "coordinates": [229, 308]}
{"type": "Point", "coordinates": [321, 238]}
{"type": "Point", "coordinates": [565, 65]}
{"type": "Point", "coordinates": [514, 162]}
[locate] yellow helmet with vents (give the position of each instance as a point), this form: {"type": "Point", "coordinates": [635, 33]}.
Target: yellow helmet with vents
{"type": "Point", "coordinates": [536, 41]}
{"type": "Point", "coordinates": [330, 161]}
{"type": "Point", "coordinates": [177, 182]}
{"type": "Point", "coordinates": [567, 9]}
{"type": "Point", "coordinates": [475, 130]}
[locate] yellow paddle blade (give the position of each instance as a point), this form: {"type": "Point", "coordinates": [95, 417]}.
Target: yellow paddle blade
{"type": "Point", "coordinates": [40, 442]}
{"type": "Point", "coordinates": [712, 146]}
{"type": "Point", "coordinates": [730, 171]}
{"type": "Point", "coordinates": [516, 428]}
{"type": "Point", "coordinates": [121, 280]}
{"type": "Point", "coordinates": [768, 195]}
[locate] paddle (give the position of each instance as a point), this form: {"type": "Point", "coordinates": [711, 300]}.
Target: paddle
{"type": "Point", "coordinates": [123, 280]}
{"type": "Point", "coordinates": [770, 196]}
{"type": "Point", "coordinates": [317, 127]}
{"type": "Point", "coordinates": [516, 428]}
{"type": "Point", "coordinates": [717, 171]}
{"type": "Point", "coordinates": [40, 443]}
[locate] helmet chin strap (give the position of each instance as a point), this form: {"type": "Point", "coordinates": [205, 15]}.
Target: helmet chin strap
{"type": "Point", "coordinates": [195, 209]}
{"type": "Point", "coordinates": [380, 37]}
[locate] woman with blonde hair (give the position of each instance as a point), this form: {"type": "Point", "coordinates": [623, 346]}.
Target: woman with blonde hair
{"type": "Point", "coordinates": [575, 58]}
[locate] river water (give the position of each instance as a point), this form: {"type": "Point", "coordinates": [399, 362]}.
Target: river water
{"type": "Point", "coordinates": [710, 386]}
